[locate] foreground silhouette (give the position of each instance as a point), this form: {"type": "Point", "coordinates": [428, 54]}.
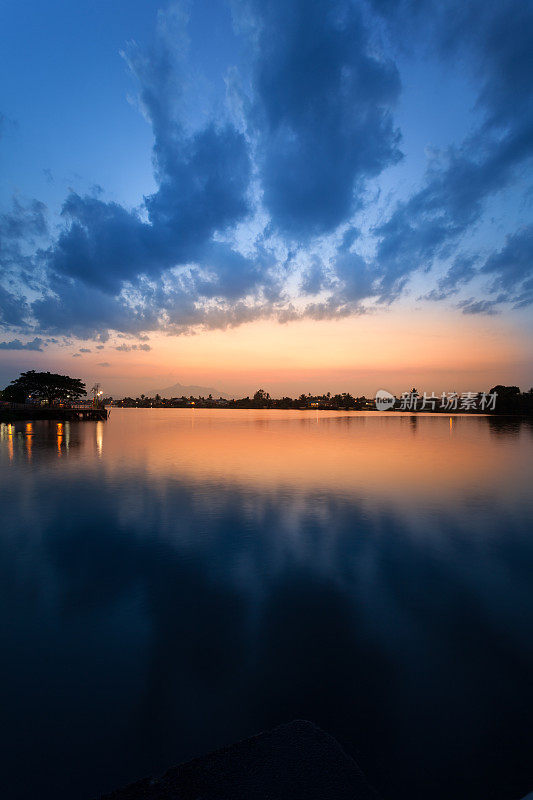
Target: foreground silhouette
{"type": "Point", "coordinates": [292, 761]}
{"type": "Point", "coordinates": [43, 386]}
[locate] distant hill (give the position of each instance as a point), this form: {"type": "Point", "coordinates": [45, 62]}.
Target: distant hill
{"type": "Point", "coordinates": [179, 390]}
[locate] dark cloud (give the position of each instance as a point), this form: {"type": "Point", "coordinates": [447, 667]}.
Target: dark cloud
{"type": "Point", "coordinates": [204, 182]}
{"type": "Point", "coordinates": [69, 307]}
{"type": "Point", "coordinates": [125, 348]}
{"type": "Point", "coordinates": [102, 245]}
{"type": "Point", "coordinates": [16, 344]}
{"type": "Point", "coordinates": [23, 221]}
{"type": "Point", "coordinates": [314, 278]}
{"type": "Point", "coordinates": [321, 112]}
{"type": "Point", "coordinates": [85, 350]}
{"type": "Point", "coordinates": [336, 306]}
{"type": "Point", "coordinates": [20, 229]}
{"type": "Point", "coordinates": [203, 179]}
{"type": "Point", "coordinates": [429, 223]}
{"type": "Point", "coordinates": [494, 41]}
{"type": "Point", "coordinates": [461, 272]}
{"type": "Point", "coordinates": [357, 277]}
{"type": "Point", "coordinates": [228, 274]}
{"type": "Point", "coordinates": [13, 308]}
{"type": "Point", "coordinates": [472, 306]}
{"type": "Point", "coordinates": [103, 364]}
{"type": "Point", "coordinates": [512, 268]}
{"type": "Point", "coordinates": [203, 187]}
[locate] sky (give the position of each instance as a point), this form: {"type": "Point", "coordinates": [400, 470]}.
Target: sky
{"type": "Point", "coordinates": [302, 195]}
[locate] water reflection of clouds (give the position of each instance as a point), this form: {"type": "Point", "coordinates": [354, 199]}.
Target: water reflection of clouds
{"type": "Point", "coordinates": [371, 456]}
{"type": "Point", "coordinates": [236, 628]}
{"type": "Point", "coordinates": [195, 612]}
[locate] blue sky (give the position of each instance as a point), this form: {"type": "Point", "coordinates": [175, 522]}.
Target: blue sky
{"type": "Point", "coordinates": [207, 164]}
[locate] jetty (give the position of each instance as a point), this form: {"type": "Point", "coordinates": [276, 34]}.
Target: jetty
{"type": "Point", "coordinates": [71, 412]}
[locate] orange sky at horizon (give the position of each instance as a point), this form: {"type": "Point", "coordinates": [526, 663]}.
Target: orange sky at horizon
{"type": "Point", "coordinates": [393, 349]}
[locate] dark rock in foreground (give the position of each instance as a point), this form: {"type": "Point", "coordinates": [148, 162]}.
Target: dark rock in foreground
{"type": "Point", "coordinates": [297, 761]}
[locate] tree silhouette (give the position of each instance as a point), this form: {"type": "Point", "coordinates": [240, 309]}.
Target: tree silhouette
{"type": "Point", "coordinates": [43, 386]}
{"type": "Point", "coordinates": [261, 398]}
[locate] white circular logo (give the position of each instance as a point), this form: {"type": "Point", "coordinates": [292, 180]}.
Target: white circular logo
{"type": "Point", "coordinates": [384, 400]}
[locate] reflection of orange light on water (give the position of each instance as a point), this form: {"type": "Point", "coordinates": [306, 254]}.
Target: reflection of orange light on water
{"type": "Point", "coordinates": [371, 454]}
{"type": "Point", "coordinates": [10, 434]}
{"type": "Point", "coordinates": [29, 441]}
{"type": "Point", "coordinates": [99, 437]}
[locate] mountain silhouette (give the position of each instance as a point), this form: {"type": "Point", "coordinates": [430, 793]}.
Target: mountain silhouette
{"type": "Point", "coordinates": [180, 390]}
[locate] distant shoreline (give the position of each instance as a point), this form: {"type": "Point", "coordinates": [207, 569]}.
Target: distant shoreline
{"type": "Point", "coordinates": [499, 400]}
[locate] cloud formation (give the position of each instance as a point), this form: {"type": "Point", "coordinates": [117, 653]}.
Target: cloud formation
{"type": "Point", "coordinates": [20, 229]}
{"type": "Point", "coordinates": [511, 268]}
{"type": "Point", "coordinates": [321, 113]}
{"type": "Point", "coordinates": [126, 348]}
{"type": "Point", "coordinates": [16, 344]}
{"type": "Point", "coordinates": [494, 42]}
{"type": "Point", "coordinates": [260, 207]}
{"type": "Point", "coordinates": [461, 272]}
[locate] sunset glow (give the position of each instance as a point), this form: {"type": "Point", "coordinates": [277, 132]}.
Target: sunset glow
{"type": "Point", "coordinates": [394, 349]}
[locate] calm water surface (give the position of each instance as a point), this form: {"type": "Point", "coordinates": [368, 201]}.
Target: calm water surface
{"type": "Point", "coordinates": [174, 580]}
